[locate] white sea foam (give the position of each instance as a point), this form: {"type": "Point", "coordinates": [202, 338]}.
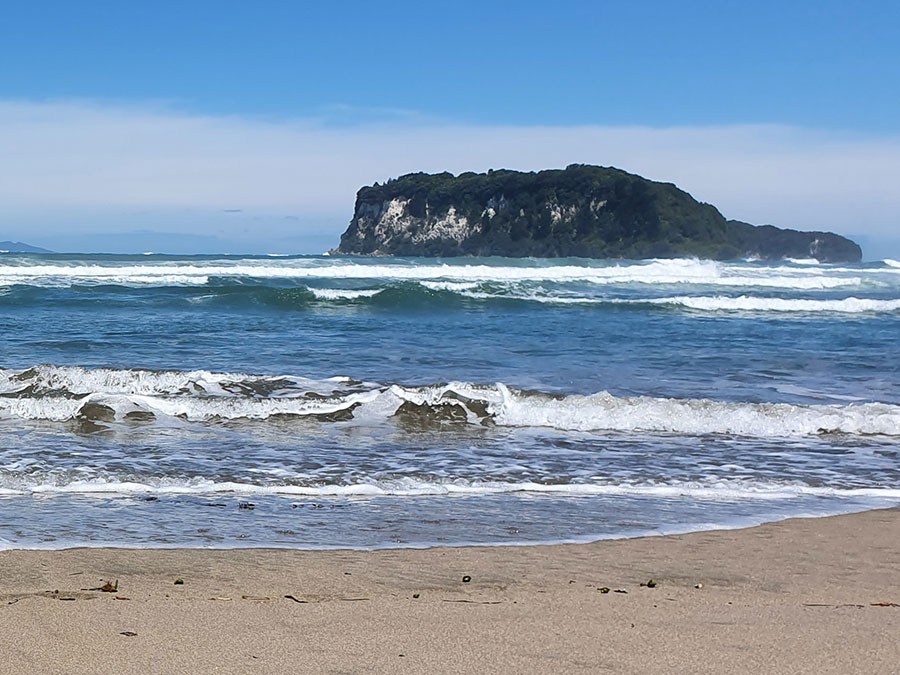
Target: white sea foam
{"type": "Point", "coordinates": [757, 304]}
{"type": "Point", "coordinates": [667, 272]}
{"type": "Point", "coordinates": [100, 381]}
{"type": "Point", "coordinates": [605, 412]}
{"type": "Point", "coordinates": [54, 409]}
{"type": "Point", "coordinates": [65, 280]}
{"type": "Point", "coordinates": [58, 394]}
{"type": "Point", "coordinates": [233, 408]}
{"type": "Point", "coordinates": [892, 263]}
{"type": "Point", "coordinates": [343, 294]}
{"type": "Point", "coordinates": [716, 490]}
{"type": "Point", "coordinates": [453, 286]}
{"type": "Point", "coordinates": [60, 409]}
{"type": "Point", "coordinates": [717, 303]}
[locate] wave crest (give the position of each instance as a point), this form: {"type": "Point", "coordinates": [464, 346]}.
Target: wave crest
{"type": "Point", "coordinates": [104, 396]}
{"type": "Point", "coordinates": [653, 272]}
{"type": "Point", "coordinates": [800, 305]}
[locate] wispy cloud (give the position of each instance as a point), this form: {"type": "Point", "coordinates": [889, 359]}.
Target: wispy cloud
{"type": "Point", "coordinates": [68, 157]}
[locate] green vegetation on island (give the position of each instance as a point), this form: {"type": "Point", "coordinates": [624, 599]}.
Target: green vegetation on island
{"type": "Point", "coordinates": [583, 210]}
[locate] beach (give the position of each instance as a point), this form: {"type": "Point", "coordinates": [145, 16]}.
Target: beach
{"type": "Point", "coordinates": [815, 595]}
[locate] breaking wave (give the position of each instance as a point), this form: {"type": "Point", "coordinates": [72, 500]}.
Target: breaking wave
{"type": "Point", "coordinates": [717, 303]}
{"type": "Point", "coordinates": [412, 294]}
{"type": "Point", "coordinates": [756, 304]}
{"type": "Point", "coordinates": [658, 272]}
{"type": "Point", "coordinates": [300, 284]}
{"type": "Point", "coordinates": [109, 396]}
{"type": "Point", "coordinates": [343, 294]}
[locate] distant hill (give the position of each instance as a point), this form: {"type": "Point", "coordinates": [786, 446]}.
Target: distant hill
{"type": "Point", "coordinates": [19, 247]}
{"type": "Point", "coordinates": [583, 210]}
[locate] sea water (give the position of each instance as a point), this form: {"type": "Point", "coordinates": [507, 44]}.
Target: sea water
{"type": "Point", "coordinates": [373, 402]}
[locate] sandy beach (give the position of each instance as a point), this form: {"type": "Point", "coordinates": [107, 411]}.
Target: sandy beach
{"type": "Point", "coordinates": [799, 596]}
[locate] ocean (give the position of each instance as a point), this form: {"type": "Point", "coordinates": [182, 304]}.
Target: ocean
{"type": "Point", "coordinates": [319, 402]}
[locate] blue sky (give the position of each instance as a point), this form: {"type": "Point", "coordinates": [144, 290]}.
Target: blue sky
{"type": "Point", "coordinates": [274, 89]}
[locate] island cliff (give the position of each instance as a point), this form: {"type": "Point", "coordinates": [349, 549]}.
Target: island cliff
{"type": "Point", "coordinates": [583, 210]}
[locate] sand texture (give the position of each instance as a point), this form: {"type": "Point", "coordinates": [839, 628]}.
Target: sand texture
{"type": "Point", "coordinates": [790, 597]}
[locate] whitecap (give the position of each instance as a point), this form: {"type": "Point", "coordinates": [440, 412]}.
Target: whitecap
{"type": "Point", "coordinates": [343, 294]}
{"type": "Point", "coordinates": [665, 272]}
{"type": "Point", "coordinates": [743, 303]}
{"type": "Point", "coordinates": [758, 304]}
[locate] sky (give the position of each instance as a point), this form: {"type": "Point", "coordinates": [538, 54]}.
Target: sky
{"type": "Point", "coordinates": [248, 127]}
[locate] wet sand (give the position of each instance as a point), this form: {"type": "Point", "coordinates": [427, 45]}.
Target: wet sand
{"type": "Point", "coordinates": [800, 596]}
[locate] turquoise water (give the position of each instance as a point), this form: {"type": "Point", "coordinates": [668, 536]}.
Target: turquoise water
{"type": "Point", "coordinates": [323, 401]}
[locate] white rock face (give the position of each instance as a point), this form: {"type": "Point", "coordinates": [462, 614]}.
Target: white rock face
{"type": "Point", "coordinates": [814, 247]}
{"type": "Point", "coordinates": [392, 220]}
{"type": "Point", "coordinates": [391, 223]}
{"type": "Point", "coordinates": [559, 213]}
{"type": "Point", "coordinates": [597, 205]}
{"type": "Point", "coordinates": [450, 226]}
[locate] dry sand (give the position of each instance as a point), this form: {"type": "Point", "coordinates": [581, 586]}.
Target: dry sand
{"type": "Point", "coordinates": [790, 597]}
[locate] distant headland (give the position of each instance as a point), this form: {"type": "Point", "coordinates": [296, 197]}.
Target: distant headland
{"type": "Point", "coordinates": [583, 210]}
{"type": "Point", "coordinates": [19, 247]}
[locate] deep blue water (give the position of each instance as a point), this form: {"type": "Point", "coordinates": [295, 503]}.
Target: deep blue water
{"type": "Point", "coordinates": [379, 402]}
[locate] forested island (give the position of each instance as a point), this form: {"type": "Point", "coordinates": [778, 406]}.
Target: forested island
{"type": "Point", "coordinates": [582, 210]}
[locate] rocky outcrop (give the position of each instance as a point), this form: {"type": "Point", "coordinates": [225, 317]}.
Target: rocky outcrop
{"type": "Point", "coordinates": [587, 211]}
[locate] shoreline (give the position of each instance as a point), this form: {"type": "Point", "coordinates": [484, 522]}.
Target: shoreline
{"type": "Point", "coordinates": [803, 595]}
{"type": "Point", "coordinates": [587, 540]}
